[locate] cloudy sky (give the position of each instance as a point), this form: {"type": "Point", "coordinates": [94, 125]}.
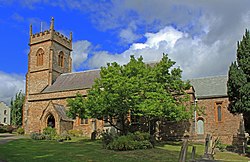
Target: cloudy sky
{"type": "Point", "coordinates": [200, 36]}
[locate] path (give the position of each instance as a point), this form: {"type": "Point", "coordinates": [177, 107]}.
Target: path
{"type": "Point", "coordinates": [6, 137]}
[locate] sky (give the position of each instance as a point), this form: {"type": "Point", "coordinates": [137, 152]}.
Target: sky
{"type": "Point", "coordinates": [200, 36]}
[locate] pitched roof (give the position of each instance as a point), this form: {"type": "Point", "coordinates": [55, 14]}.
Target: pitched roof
{"type": "Point", "coordinates": [61, 112]}
{"type": "Point", "coordinates": [74, 81]}
{"type": "Point", "coordinates": [215, 86]}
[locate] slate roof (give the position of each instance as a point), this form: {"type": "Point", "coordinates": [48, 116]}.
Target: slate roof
{"type": "Point", "coordinates": [61, 112]}
{"type": "Point", "coordinates": [215, 86]}
{"type": "Point", "coordinates": [74, 81]}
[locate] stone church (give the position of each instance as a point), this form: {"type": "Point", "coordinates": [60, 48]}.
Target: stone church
{"type": "Point", "coordinates": [50, 81]}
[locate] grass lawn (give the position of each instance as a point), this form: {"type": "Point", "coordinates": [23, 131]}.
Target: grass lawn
{"type": "Point", "coordinates": [91, 151]}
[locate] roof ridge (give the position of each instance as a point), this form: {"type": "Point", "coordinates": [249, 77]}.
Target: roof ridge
{"type": "Point", "coordinates": [207, 77]}
{"type": "Point", "coordinates": [81, 71]}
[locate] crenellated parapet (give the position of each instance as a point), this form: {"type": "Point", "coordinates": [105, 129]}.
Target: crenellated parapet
{"type": "Point", "coordinates": [60, 38]}
{"type": "Point", "coordinates": [50, 35]}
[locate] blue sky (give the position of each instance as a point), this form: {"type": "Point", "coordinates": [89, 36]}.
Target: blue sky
{"type": "Point", "coordinates": [200, 36]}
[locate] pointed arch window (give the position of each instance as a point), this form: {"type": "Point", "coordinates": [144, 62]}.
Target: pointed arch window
{"type": "Point", "coordinates": [39, 55]}
{"type": "Point", "coordinates": [218, 112]}
{"type": "Point", "coordinates": [61, 59]}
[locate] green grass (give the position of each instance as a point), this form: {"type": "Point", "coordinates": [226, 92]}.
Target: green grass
{"type": "Point", "coordinates": [231, 157]}
{"type": "Point", "coordinates": [89, 151]}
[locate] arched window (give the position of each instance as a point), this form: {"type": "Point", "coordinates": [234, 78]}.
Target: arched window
{"type": "Point", "coordinates": [39, 55]}
{"type": "Point", "coordinates": [5, 112]}
{"type": "Point", "coordinates": [61, 59]}
{"type": "Point", "coordinates": [200, 126]}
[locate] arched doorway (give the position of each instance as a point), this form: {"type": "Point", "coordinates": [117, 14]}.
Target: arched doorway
{"type": "Point", "coordinates": [200, 126]}
{"type": "Point", "coordinates": [51, 121]}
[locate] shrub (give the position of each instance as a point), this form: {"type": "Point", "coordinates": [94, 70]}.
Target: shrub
{"type": "Point", "coordinates": [140, 136]}
{"type": "Point", "coordinates": [107, 138]}
{"type": "Point", "coordinates": [65, 136]}
{"type": "Point", "coordinates": [130, 142]}
{"type": "Point", "coordinates": [37, 136]}
{"type": "Point", "coordinates": [75, 133]}
{"type": "Point", "coordinates": [50, 133]}
{"type": "Point", "coordinates": [219, 145]}
{"type": "Point", "coordinates": [3, 129]}
{"type": "Point", "coordinates": [20, 131]}
{"type": "Point", "coordinates": [6, 129]}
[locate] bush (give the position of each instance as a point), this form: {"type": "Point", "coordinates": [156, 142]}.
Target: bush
{"type": "Point", "coordinates": [2, 129]}
{"type": "Point", "coordinates": [130, 142]}
{"type": "Point", "coordinates": [20, 131]}
{"type": "Point", "coordinates": [50, 133]}
{"type": "Point", "coordinates": [6, 129]}
{"type": "Point", "coordinates": [65, 136]}
{"type": "Point", "coordinates": [75, 133]}
{"type": "Point", "coordinates": [219, 145]}
{"type": "Point", "coordinates": [37, 136]}
{"type": "Point", "coordinates": [107, 138]}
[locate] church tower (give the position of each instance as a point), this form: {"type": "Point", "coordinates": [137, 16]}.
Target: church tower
{"type": "Point", "coordinates": [49, 56]}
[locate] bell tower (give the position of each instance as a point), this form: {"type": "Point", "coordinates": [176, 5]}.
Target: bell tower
{"type": "Point", "coordinates": [49, 57]}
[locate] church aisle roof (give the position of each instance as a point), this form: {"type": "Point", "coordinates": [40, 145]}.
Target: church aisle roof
{"type": "Point", "coordinates": [215, 86]}
{"type": "Point", "coordinates": [74, 81]}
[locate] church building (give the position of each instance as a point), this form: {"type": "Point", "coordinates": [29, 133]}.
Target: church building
{"type": "Point", "coordinates": [50, 82]}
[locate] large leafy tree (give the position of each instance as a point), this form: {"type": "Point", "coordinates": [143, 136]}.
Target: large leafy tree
{"type": "Point", "coordinates": [138, 89]}
{"type": "Point", "coordinates": [239, 79]}
{"type": "Point", "coordinates": [16, 106]}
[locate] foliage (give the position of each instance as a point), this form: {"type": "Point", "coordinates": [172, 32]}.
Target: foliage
{"type": "Point", "coordinates": [107, 138]}
{"type": "Point", "coordinates": [65, 136]}
{"type": "Point", "coordinates": [138, 89]}
{"type": "Point", "coordinates": [219, 145]}
{"type": "Point", "coordinates": [130, 142]}
{"type": "Point", "coordinates": [239, 78]}
{"type": "Point", "coordinates": [6, 129]}
{"type": "Point", "coordinates": [16, 106]}
{"type": "Point", "coordinates": [37, 136]}
{"type": "Point", "coordinates": [50, 133]}
{"type": "Point", "coordinates": [77, 107]}
{"type": "Point", "coordinates": [75, 133]}
{"type": "Point", "coordinates": [20, 131]}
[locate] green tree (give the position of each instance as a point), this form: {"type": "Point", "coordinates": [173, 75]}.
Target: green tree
{"type": "Point", "coordinates": [239, 79]}
{"type": "Point", "coordinates": [16, 106]}
{"type": "Point", "coordinates": [77, 107]}
{"type": "Point", "coordinates": [151, 92]}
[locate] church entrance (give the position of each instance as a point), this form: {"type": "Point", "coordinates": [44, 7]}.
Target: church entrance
{"type": "Point", "coordinates": [51, 121]}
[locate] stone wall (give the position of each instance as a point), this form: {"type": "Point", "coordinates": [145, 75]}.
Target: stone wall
{"type": "Point", "coordinates": [229, 124]}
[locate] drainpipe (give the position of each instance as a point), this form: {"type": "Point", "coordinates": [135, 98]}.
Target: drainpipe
{"type": "Point", "coordinates": [195, 104]}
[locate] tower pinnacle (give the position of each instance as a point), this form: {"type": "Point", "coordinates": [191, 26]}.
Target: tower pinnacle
{"type": "Point", "coordinates": [52, 24]}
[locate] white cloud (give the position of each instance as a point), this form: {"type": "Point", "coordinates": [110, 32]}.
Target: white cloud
{"type": "Point", "coordinates": [152, 50]}
{"type": "Point", "coordinates": [192, 54]}
{"type": "Point", "coordinates": [202, 41]}
{"type": "Point", "coordinates": [80, 53]}
{"type": "Point", "coordinates": [129, 35]}
{"type": "Point", "coordinates": [10, 85]}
